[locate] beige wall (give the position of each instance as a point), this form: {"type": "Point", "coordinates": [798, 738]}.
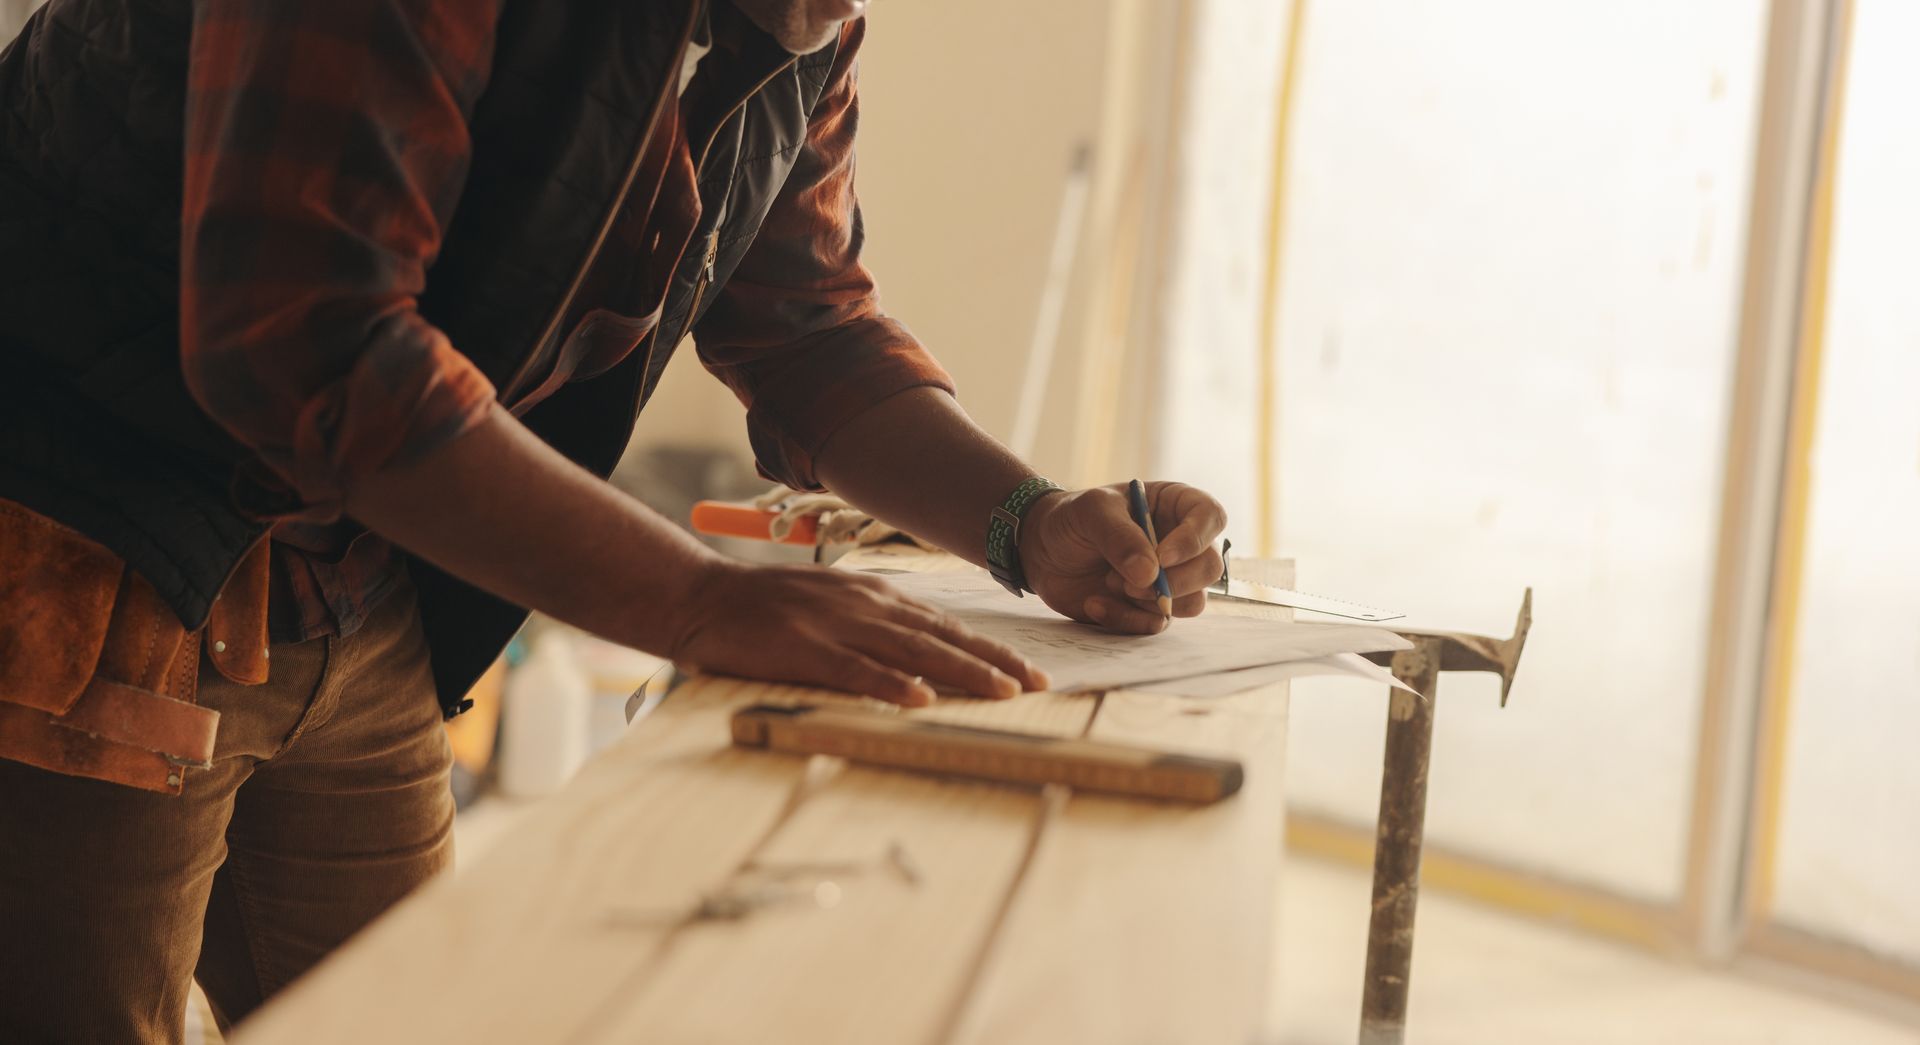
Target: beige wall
{"type": "Point", "coordinates": [12, 14]}
{"type": "Point", "coordinates": [969, 115]}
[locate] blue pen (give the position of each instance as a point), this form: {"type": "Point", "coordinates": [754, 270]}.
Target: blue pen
{"type": "Point", "coordinates": [1137, 504]}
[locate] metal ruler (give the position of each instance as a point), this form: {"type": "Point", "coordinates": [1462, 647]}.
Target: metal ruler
{"type": "Point", "coordinates": [1272, 595]}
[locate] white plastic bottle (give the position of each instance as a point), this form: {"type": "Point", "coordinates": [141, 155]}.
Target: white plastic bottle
{"type": "Point", "coordinates": [543, 725]}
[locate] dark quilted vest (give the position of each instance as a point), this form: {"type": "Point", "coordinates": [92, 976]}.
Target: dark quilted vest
{"type": "Point", "coordinates": [97, 429]}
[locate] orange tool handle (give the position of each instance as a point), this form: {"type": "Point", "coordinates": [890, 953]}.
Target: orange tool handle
{"type": "Point", "coordinates": [737, 519]}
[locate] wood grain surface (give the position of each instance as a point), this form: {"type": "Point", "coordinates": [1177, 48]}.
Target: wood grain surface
{"type": "Point", "coordinates": [906, 908]}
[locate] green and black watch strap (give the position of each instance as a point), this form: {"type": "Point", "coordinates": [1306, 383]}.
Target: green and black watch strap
{"type": "Point", "coordinates": [1003, 533]}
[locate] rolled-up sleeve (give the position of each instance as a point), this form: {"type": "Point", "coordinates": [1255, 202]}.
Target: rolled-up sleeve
{"type": "Point", "coordinates": [326, 146]}
{"type": "Point", "coordinates": [797, 332]}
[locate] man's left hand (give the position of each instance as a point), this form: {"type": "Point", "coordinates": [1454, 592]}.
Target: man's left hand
{"type": "Point", "coordinates": [1085, 556]}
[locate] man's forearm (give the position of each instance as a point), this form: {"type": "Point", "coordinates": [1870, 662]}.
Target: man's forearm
{"type": "Point", "coordinates": [504, 511]}
{"type": "Point", "coordinates": [507, 513]}
{"type": "Point", "coordinates": [917, 461]}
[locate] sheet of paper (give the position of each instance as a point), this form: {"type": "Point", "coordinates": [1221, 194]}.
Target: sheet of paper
{"type": "Point", "coordinates": [1081, 657]}
{"type": "Point", "coordinates": [1227, 683]}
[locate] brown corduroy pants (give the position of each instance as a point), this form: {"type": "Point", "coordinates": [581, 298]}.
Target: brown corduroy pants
{"type": "Point", "coordinates": [328, 801]}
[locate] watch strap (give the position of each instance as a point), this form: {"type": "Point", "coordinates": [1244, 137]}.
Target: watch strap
{"type": "Point", "coordinates": [1003, 533]}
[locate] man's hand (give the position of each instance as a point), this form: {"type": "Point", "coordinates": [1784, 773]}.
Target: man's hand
{"type": "Point", "coordinates": [844, 630]}
{"type": "Point", "coordinates": [626, 574]}
{"type": "Point", "coordinates": [918, 462]}
{"type": "Point", "coordinates": [1088, 559]}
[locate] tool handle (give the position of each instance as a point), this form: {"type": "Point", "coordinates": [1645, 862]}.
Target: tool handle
{"type": "Point", "coordinates": [738, 519]}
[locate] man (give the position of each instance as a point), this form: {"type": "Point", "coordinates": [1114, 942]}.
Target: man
{"type": "Point", "coordinates": [286, 288]}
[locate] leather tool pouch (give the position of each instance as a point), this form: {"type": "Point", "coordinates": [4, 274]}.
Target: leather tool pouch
{"type": "Point", "coordinates": [97, 675]}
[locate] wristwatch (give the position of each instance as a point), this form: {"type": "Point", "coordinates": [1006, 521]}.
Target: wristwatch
{"type": "Point", "coordinates": [1003, 533]}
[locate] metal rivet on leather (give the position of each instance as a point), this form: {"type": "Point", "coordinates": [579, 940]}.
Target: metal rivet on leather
{"type": "Point", "coordinates": [219, 647]}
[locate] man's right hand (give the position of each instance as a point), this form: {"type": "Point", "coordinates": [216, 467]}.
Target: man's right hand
{"type": "Point", "coordinates": [504, 511]}
{"type": "Point", "coordinates": [848, 631]}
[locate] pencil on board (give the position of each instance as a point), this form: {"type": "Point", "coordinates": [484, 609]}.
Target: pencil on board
{"type": "Point", "coordinates": [1137, 504]}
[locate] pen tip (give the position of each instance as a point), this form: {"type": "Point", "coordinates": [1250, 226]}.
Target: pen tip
{"type": "Point", "coordinates": [1166, 607]}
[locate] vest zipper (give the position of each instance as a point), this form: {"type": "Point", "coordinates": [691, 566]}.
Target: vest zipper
{"type": "Point", "coordinates": [699, 289]}
{"type": "Point", "coordinates": [613, 211]}
{"type": "Point", "coordinates": [713, 237]}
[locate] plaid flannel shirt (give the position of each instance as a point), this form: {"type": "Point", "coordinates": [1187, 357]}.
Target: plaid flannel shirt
{"type": "Point", "coordinates": [326, 148]}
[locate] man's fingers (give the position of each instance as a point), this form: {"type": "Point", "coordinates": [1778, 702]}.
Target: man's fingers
{"type": "Point", "coordinates": [1185, 579]}
{"type": "Point", "coordinates": [1189, 521]}
{"type": "Point", "coordinates": [1196, 573]}
{"type": "Point", "coordinates": [870, 581]}
{"type": "Point", "coordinates": [919, 653]}
{"type": "Point", "coordinates": [1119, 539]}
{"type": "Point", "coordinates": [1119, 615]}
{"type": "Point", "coordinates": [952, 632]}
{"type": "Point", "coordinates": [1146, 599]}
{"type": "Point", "coordinates": [1191, 605]}
{"type": "Point", "coordinates": [860, 674]}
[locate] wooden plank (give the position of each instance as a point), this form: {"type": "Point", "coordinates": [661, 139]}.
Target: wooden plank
{"type": "Point", "coordinates": [884, 963]}
{"type": "Point", "coordinates": [529, 921]}
{"type": "Point", "coordinates": [1025, 918]}
{"type": "Point", "coordinates": [1146, 922]}
{"type": "Point", "coordinates": [662, 817]}
{"type": "Point", "coordinates": [1143, 922]}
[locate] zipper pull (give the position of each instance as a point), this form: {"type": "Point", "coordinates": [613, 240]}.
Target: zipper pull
{"type": "Point", "coordinates": [713, 251]}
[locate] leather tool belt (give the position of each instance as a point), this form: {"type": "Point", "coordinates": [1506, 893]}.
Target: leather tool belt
{"type": "Point", "coordinates": [97, 676]}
